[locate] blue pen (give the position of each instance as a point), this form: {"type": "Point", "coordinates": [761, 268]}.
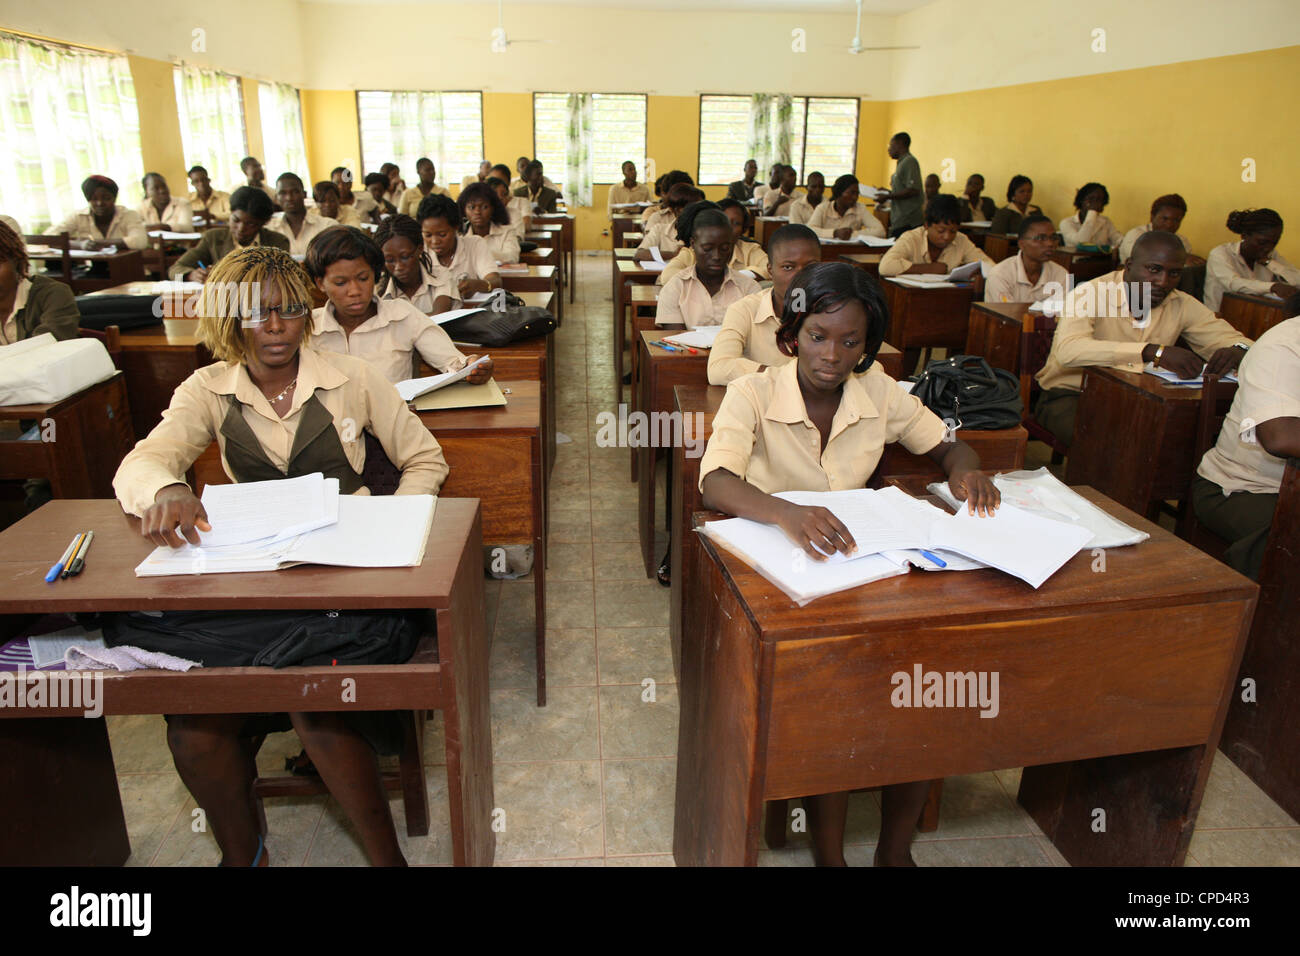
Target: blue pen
{"type": "Point", "coordinates": [55, 571]}
{"type": "Point", "coordinates": [930, 556]}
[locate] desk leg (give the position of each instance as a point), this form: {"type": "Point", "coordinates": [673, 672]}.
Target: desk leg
{"type": "Point", "coordinates": [645, 506]}
{"type": "Point", "coordinates": [58, 794]}
{"type": "Point", "coordinates": [539, 574]}
{"type": "Point", "coordinates": [1150, 802]}
{"type": "Point", "coordinates": [463, 646]}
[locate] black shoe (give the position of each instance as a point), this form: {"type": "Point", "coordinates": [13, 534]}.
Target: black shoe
{"type": "Point", "coordinates": [664, 574]}
{"type": "Point", "coordinates": [627, 378]}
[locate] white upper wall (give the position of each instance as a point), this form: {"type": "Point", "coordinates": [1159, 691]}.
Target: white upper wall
{"type": "Point", "coordinates": [1019, 42]}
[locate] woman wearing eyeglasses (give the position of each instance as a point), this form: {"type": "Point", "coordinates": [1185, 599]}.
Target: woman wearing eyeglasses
{"type": "Point", "coordinates": [276, 409]}
{"type": "Point", "coordinates": [1031, 275]}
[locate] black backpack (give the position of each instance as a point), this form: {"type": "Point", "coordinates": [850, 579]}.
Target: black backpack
{"type": "Point", "coordinates": [502, 322]}
{"type": "Point", "coordinates": [966, 390]}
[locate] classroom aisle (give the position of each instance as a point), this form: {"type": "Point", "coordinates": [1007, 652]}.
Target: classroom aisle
{"type": "Point", "coordinates": [589, 779]}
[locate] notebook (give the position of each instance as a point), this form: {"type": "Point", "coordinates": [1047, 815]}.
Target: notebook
{"type": "Point", "coordinates": [413, 388]}
{"type": "Point", "coordinates": [1169, 378]}
{"type": "Point", "coordinates": [700, 337]}
{"type": "Point", "coordinates": [462, 395]}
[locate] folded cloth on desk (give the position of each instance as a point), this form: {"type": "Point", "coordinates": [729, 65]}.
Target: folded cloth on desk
{"type": "Point", "coordinates": [41, 371]}
{"type": "Point", "coordinates": [123, 658]}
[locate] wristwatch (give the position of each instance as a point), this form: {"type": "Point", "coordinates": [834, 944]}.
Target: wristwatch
{"type": "Point", "coordinates": [1160, 350]}
{"type": "Point", "coordinates": [1241, 345]}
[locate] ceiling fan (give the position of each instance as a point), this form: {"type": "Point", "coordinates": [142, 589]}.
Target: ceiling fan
{"type": "Point", "coordinates": [856, 46]}
{"type": "Point", "coordinates": [499, 42]}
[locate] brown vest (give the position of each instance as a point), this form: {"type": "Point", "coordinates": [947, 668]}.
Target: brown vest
{"type": "Point", "coordinates": [316, 447]}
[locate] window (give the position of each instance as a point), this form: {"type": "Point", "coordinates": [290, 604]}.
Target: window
{"type": "Point", "coordinates": [401, 126]}
{"type": "Point", "coordinates": [617, 134]}
{"type": "Point", "coordinates": [65, 114]}
{"type": "Point", "coordinates": [282, 131]}
{"type": "Point", "coordinates": [823, 136]}
{"type": "Point", "coordinates": [211, 110]}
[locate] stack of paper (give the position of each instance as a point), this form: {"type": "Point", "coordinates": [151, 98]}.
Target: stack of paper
{"type": "Point", "coordinates": [176, 236]}
{"type": "Point", "coordinates": [413, 388]}
{"type": "Point", "coordinates": [444, 317]}
{"type": "Point", "coordinates": [1169, 378]}
{"type": "Point", "coordinates": [365, 532]}
{"type": "Point", "coordinates": [701, 337]}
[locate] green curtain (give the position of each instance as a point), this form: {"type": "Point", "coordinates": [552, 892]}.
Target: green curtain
{"type": "Point", "coordinates": [781, 128]}
{"type": "Point", "coordinates": [416, 127]}
{"type": "Point", "coordinates": [64, 115]}
{"type": "Point", "coordinates": [577, 150]}
{"type": "Point", "coordinates": [282, 131]}
{"type": "Point", "coordinates": [211, 108]}
{"type": "Point", "coordinates": [771, 124]}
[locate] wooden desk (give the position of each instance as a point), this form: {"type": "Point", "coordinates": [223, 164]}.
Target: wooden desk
{"type": "Point", "coordinates": [541, 256]}
{"type": "Point", "coordinates": [1002, 450]}
{"type": "Point", "coordinates": [125, 265]}
{"type": "Point", "coordinates": [1084, 265]}
{"type": "Point", "coordinates": [998, 247]}
{"type": "Point", "coordinates": [976, 234]}
{"type": "Point", "coordinates": [537, 279]}
{"type": "Point", "coordinates": [867, 261]}
{"type": "Point", "coordinates": [1251, 315]}
{"type": "Point", "coordinates": [764, 226]}
{"type": "Point", "coordinates": [1113, 690]}
{"type": "Point", "coordinates": [834, 251]}
{"type": "Point", "coordinates": [1260, 736]}
{"type": "Point", "coordinates": [568, 239]}
{"type": "Point", "coordinates": [84, 439]}
{"type": "Point", "coordinates": [1134, 438]}
{"type": "Point", "coordinates": [156, 360]}
{"type": "Point", "coordinates": [58, 786]}
{"type": "Point", "coordinates": [620, 223]}
{"type": "Point", "coordinates": [994, 332]}
{"type": "Point", "coordinates": [627, 273]}
{"type": "Point", "coordinates": [926, 318]}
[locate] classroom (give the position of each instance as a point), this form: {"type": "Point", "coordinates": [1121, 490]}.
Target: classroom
{"type": "Point", "coordinates": [687, 282]}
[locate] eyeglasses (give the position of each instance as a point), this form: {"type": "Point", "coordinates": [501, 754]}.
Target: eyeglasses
{"type": "Point", "coordinates": [288, 313]}
{"type": "Point", "coordinates": [1050, 237]}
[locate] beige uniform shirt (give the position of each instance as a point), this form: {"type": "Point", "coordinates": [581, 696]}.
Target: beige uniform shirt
{"type": "Point", "coordinates": [412, 198]}
{"type": "Point", "coordinates": [348, 216]}
{"type": "Point", "coordinates": [1136, 233]}
{"type": "Point", "coordinates": [433, 285]}
{"type": "Point", "coordinates": [1226, 271]}
{"type": "Point", "coordinates": [745, 256]}
{"type": "Point", "coordinates": [801, 211]}
{"type": "Point", "coordinates": [313, 225]}
{"type": "Point", "coordinates": [685, 301]}
{"type": "Point", "coordinates": [521, 211]}
{"type": "Point", "coordinates": [218, 204]}
{"type": "Point", "coordinates": [1096, 228]}
{"type": "Point", "coordinates": [777, 203]}
{"type": "Point", "coordinates": [912, 248]}
{"type": "Point", "coordinates": [763, 434]}
{"type": "Point", "coordinates": [746, 340]}
{"type": "Point", "coordinates": [363, 203]}
{"type": "Point", "coordinates": [12, 223]}
{"type": "Point", "coordinates": [825, 220]}
{"type": "Point", "coordinates": [662, 236]}
{"type": "Point", "coordinates": [472, 260]}
{"type": "Point", "coordinates": [655, 215]}
{"type": "Point", "coordinates": [389, 339]}
{"type": "Point", "coordinates": [354, 393]}
{"type": "Point", "coordinates": [126, 225]}
{"type": "Point", "coordinates": [177, 217]}
{"type": "Point", "coordinates": [1097, 328]}
{"type": "Point", "coordinates": [1269, 389]}
{"type": "Point", "coordinates": [502, 242]}
{"type": "Point", "coordinates": [621, 195]}
{"type": "Point", "coordinates": [1009, 283]}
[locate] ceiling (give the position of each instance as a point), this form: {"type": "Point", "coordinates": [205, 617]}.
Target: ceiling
{"type": "Point", "coordinates": [877, 7]}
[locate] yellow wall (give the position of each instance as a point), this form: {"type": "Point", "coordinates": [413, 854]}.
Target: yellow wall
{"type": "Point", "coordinates": [253, 123]}
{"type": "Point", "coordinates": [329, 123]}
{"type": "Point", "coordinates": [1181, 128]}
{"type": "Point", "coordinates": [160, 129]}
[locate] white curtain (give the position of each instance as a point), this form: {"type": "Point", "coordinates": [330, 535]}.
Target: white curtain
{"type": "Point", "coordinates": [211, 109]}
{"type": "Point", "coordinates": [64, 115]}
{"type": "Point", "coordinates": [577, 150]}
{"type": "Point", "coordinates": [771, 127]}
{"type": "Point", "coordinates": [282, 131]}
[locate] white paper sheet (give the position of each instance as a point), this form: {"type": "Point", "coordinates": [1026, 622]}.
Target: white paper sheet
{"type": "Point", "coordinates": [1169, 378]}
{"type": "Point", "coordinates": [443, 317]}
{"type": "Point", "coordinates": [701, 337]}
{"type": "Point", "coordinates": [413, 388]}
{"type": "Point", "coordinates": [268, 510]}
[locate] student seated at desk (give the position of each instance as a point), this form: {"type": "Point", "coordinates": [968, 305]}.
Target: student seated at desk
{"type": "Point", "coordinates": [31, 304]}
{"type": "Point", "coordinates": [937, 247]}
{"type": "Point", "coordinates": [777, 201]}
{"type": "Point", "coordinates": [426, 187]}
{"type": "Point", "coordinates": [746, 254]}
{"type": "Point", "coordinates": [255, 176]}
{"type": "Point", "coordinates": [521, 182]}
{"type": "Point", "coordinates": [160, 211]}
{"type": "Point", "coordinates": [362, 203]}
{"type": "Point", "coordinates": [844, 216]}
{"type": "Point", "coordinates": [662, 235]}
{"type": "Point", "coordinates": [541, 197]}
{"type": "Point", "coordinates": [484, 171]}
{"type": "Point", "coordinates": [326, 195]}
{"type": "Point", "coordinates": [1104, 324]}
{"type": "Point", "coordinates": [516, 208]}
{"type": "Point", "coordinates": [345, 264]}
{"type": "Point", "coordinates": [760, 447]}
{"type": "Point", "coordinates": [629, 190]}
{"type": "Point", "coordinates": [267, 384]}
{"type": "Point", "coordinates": [931, 188]}
{"type": "Point", "coordinates": [104, 223]}
{"type": "Point", "coordinates": [250, 211]}
{"type": "Point", "coordinates": [802, 209]}
{"type": "Point", "coordinates": [376, 187]}
{"type": "Point", "coordinates": [1252, 264]}
{"type": "Point", "coordinates": [1088, 225]}
{"type": "Point", "coordinates": [486, 217]}
{"type": "Point", "coordinates": [773, 182]}
{"type": "Point", "coordinates": [468, 258]}
{"type": "Point", "coordinates": [1167, 214]}
{"type": "Point", "coordinates": [747, 340]}
{"type": "Point", "coordinates": [974, 206]}
{"type": "Point", "coordinates": [1025, 277]}
{"type": "Point", "coordinates": [212, 204]}
{"type": "Point", "coordinates": [742, 190]}
{"type": "Point", "coordinates": [1006, 221]}
{"type": "Point", "coordinates": [409, 271]}
{"type": "Point", "coordinates": [661, 214]}
{"type": "Point", "coordinates": [701, 293]}
{"type": "Point", "coordinates": [396, 184]}
{"type": "Point", "coordinates": [296, 223]}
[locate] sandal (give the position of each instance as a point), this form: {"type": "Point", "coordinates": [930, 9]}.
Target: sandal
{"type": "Point", "coordinates": [301, 765]}
{"type": "Point", "coordinates": [664, 573]}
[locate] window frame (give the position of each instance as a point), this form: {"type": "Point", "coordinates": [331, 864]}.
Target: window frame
{"type": "Point", "coordinates": [801, 165]}
{"type": "Point", "coordinates": [645, 123]}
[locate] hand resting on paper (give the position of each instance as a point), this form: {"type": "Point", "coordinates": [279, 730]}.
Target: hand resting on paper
{"type": "Point", "coordinates": [816, 530]}
{"type": "Point", "coordinates": [481, 374]}
{"type": "Point", "coordinates": [977, 490]}
{"type": "Point", "coordinates": [174, 507]}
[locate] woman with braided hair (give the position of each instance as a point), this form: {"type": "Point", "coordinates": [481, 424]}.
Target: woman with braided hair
{"type": "Point", "coordinates": [1250, 265]}
{"type": "Point", "coordinates": [409, 272]}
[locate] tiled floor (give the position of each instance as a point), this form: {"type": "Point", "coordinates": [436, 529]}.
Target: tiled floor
{"type": "Point", "coordinates": [588, 780]}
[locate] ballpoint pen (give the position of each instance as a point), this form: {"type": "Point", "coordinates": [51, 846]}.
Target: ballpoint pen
{"type": "Point", "coordinates": [53, 574]}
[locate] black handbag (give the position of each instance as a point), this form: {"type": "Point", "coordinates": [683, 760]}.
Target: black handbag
{"type": "Point", "coordinates": [966, 390]}
{"type": "Point", "coordinates": [270, 638]}
{"type": "Point", "coordinates": [98, 312]}
{"type": "Point", "coordinates": [497, 325]}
